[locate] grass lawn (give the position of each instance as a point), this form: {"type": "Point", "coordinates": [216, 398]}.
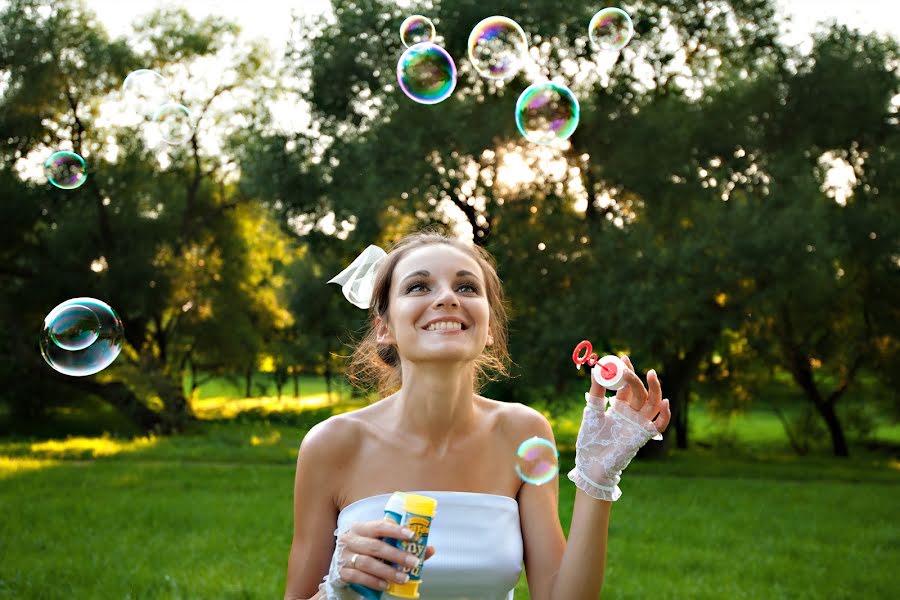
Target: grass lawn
{"type": "Point", "coordinates": [207, 514]}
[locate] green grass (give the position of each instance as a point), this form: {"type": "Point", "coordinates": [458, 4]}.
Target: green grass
{"type": "Point", "coordinates": [207, 514]}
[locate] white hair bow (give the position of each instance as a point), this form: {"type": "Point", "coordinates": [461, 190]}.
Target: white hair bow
{"type": "Point", "coordinates": [358, 280]}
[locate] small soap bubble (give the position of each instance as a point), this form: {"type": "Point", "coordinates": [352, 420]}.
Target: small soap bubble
{"type": "Point", "coordinates": [65, 170]}
{"type": "Point", "coordinates": [81, 336]}
{"type": "Point", "coordinates": [426, 73]}
{"type": "Point", "coordinates": [75, 328]}
{"type": "Point", "coordinates": [537, 461]}
{"type": "Point", "coordinates": [174, 123]}
{"type": "Point", "coordinates": [415, 30]}
{"type": "Point", "coordinates": [497, 47]}
{"type": "Point", "coordinates": [611, 29]}
{"type": "Point", "coordinates": [144, 91]}
{"type": "Point", "coordinates": [547, 113]}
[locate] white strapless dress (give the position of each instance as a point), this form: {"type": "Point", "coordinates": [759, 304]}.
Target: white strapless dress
{"type": "Point", "coordinates": [477, 540]}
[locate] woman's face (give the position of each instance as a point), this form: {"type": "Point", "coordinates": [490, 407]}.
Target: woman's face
{"type": "Point", "coordinates": [438, 308]}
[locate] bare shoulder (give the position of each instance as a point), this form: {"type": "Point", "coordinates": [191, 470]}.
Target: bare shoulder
{"type": "Point", "coordinates": [521, 421]}
{"type": "Point", "coordinates": [332, 441]}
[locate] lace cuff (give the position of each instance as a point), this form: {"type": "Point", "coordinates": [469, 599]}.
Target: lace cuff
{"type": "Point", "coordinates": [607, 442]}
{"type": "Point", "coordinates": [332, 585]}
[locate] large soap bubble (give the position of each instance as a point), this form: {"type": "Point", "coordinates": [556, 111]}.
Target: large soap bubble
{"type": "Point", "coordinates": [81, 336]}
{"type": "Point", "coordinates": [497, 47]}
{"type": "Point", "coordinates": [547, 113]}
{"type": "Point", "coordinates": [144, 91]}
{"type": "Point", "coordinates": [426, 73]}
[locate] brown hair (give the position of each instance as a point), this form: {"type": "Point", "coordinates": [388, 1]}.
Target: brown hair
{"type": "Point", "coordinates": [378, 365]}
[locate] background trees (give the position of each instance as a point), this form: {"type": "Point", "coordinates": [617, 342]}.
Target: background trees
{"type": "Point", "coordinates": [691, 220]}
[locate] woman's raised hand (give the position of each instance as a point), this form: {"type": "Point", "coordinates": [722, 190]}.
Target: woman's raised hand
{"type": "Point", "coordinates": [609, 439]}
{"type": "Point", "coordinates": [363, 551]}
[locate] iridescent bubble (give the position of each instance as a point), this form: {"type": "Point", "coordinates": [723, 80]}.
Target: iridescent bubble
{"type": "Point", "coordinates": [497, 47]}
{"type": "Point", "coordinates": [65, 170]}
{"type": "Point", "coordinates": [426, 73]}
{"type": "Point", "coordinates": [81, 336]}
{"type": "Point", "coordinates": [611, 29]}
{"type": "Point", "coordinates": [537, 461]}
{"type": "Point", "coordinates": [174, 123]}
{"type": "Point", "coordinates": [144, 91]}
{"type": "Point", "coordinates": [415, 30]}
{"type": "Point", "coordinates": [547, 112]}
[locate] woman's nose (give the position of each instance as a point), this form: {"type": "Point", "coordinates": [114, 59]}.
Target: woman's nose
{"type": "Point", "coordinates": [446, 296]}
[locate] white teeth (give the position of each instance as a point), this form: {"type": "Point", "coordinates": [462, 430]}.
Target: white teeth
{"type": "Point", "coordinates": [444, 325]}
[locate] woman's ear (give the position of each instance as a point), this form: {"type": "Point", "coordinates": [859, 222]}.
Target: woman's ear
{"type": "Point", "coordinates": [383, 332]}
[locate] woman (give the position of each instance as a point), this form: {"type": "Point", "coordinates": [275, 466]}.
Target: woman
{"type": "Point", "coordinates": [438, 323]}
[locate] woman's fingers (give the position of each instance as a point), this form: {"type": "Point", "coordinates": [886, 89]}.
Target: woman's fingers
{"type": "Point", "coordinates": [364, 540]}
{"type": "Point", "coordinates": [429, 552]}
{"type": "Point", "coordinates": [654, 399]}
{"type": "Point", "coordinates": [637, 394]}
{"type": "Point", "coordinates": [596, 389]}
{"type": "Point", "coordinates": [665, 415]}
{"type": "Point", "coordinates": [624, 393]}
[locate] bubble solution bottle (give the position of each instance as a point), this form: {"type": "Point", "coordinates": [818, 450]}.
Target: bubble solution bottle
{"type": "Point", "coordinates": [414, 512]}
{"type": "Point", "coordinates": [420, 510]}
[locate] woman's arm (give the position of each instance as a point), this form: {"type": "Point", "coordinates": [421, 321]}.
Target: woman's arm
{"type": "Point", "coordinates": [583, 565]}
{"type": "Point", "coordinates": [315, 513]}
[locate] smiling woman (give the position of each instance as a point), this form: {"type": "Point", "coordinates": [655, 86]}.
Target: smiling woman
{"type": "Point", "coordinates": [437, 333]}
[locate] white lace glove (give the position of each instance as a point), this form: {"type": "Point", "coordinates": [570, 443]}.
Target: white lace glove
{"type": "Point", "coordinates": [607, 441]}
{"type": "Point", "coordinates": [332, 585]}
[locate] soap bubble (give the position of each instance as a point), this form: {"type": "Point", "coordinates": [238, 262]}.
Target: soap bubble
{"type": "Point", "coordinates": [497, 47]}
{"type": "Point", "coordinates": [426, 73]}
{"type": "Point", "coordinates": [144, 91]}
{"type": "Point", "coordinates": [65, 170]}
{"type": "Point", "coordinates": [611, 29]}
{"type": "Point", "coordinates": [415, 30]}
{"type": "Point", "coordinates": [75, 328]}
{"type": "Point", "coordinates": [81, 336]}
{"type": "Point", "coordinates": [547, 112]}
{"type": "Point", "coordinates": [537, 461]}
{"type": "Point", "coordinates": [174, 123]}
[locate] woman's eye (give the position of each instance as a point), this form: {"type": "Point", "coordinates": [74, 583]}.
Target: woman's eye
{"type": "Point", "coordinates": [471, 287]}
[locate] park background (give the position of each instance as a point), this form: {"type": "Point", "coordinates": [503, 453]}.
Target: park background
{"type": "Point", "coordinates": [726, 213]}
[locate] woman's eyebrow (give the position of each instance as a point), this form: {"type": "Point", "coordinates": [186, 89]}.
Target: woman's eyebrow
{"type": "Point", "coordinates": [461, 273]}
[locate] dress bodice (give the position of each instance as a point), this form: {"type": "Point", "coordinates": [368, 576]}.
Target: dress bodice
{"type": "Point", "coordinates": [477, 540]}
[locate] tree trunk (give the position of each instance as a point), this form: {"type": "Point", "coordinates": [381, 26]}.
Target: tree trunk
{"type": "Point", "coordinates": [328, 382]}
{"type": "Point", "coordinates": [296, 384]}
{"type": "Point", "coordinates": [119, 396]}
{"type": "Point", "coordinates": [838, 441]}
{"type": "Point", "coordinates": [798, 364]}
{"type": "Point", "coordinates": [248, 382]}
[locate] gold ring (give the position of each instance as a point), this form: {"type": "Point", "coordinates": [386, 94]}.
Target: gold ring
{"type": "Point", "coordinates": [353, 560]}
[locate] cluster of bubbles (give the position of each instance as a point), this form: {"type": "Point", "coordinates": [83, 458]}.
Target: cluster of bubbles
{"type": "Point", "coordinates": [546, 113]}
{"type": "Point", "coordinates": [537, 461]}
{"type": "Point", "coordinates": [146, 93]}
{"type": "Point", "coordinates": [81, 336]}
{"type": "Point", "coordinates": [426, 72]}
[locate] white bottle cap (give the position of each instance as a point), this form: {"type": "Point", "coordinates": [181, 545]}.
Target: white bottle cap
{"type": "Point", "coordinates": [610, 372]}
{"type": "Point", "coordinates": [396, 503]}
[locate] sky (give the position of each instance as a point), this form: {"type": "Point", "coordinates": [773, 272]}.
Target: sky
{"type": "Point", "coordinates": [271, 18]}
